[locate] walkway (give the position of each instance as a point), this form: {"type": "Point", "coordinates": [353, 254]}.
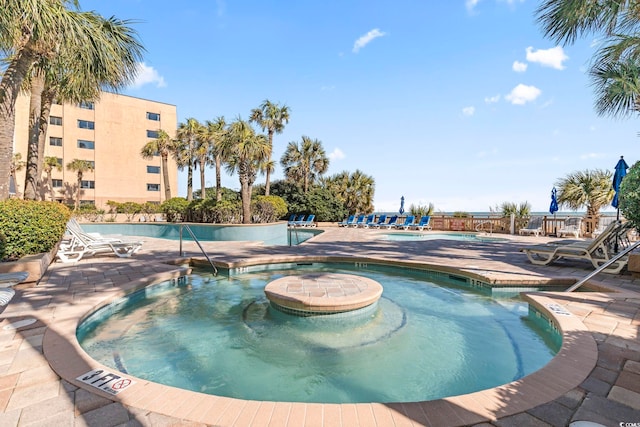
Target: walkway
{"type": "Point", "coordinates": [32, 394]}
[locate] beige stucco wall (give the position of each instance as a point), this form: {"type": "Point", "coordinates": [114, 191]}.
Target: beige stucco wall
{"type": "Point", "coordinates": [119, 134]}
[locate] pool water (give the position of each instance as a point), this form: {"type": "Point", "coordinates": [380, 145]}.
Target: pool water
{"type": "Point", "coordinates": [429, 337]}
{"type": "Point", "coordinates": [444, 236]}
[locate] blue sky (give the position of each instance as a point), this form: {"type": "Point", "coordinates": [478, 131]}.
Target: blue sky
{"type": "Point", "coordinates": [463, 104]}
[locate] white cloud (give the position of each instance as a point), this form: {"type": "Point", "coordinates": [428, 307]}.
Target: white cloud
{"type": "Point", "coordinates": [366, 39]}
{"type": "Point", "coordinates": [587, 156]}
{"type": "Point", "coordinates": [469, 111]}
{"type": "Point", "coordinates": [492, 99]}
{"type": "Point", "coordinates": [146, 75]}
{"type": "Point", "coordinates": [522, 94]}
{"type": "Point", "coordinates": [471, 4]}
{"type": "Point", "coordinates": [519, 67]}
{"type": "Point", "coordinates": [336, 154]}
{"type": "Point", "coordinates": [553, 57]}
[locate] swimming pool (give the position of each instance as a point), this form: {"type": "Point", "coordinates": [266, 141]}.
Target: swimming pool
{"type": "Point", "coordinates": [432, 335]}
{"type": "Point", "coordinates": [269, 234]}
{"type": "Point", "coordinates": [468, 237]}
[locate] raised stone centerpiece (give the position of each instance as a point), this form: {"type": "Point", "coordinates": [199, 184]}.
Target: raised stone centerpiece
{"type": "Point", "coordinates": [323, 293]}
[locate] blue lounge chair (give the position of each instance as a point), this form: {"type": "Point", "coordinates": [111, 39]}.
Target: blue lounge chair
{"type": "Point", "coordinates": [358, 221]}
{"type": "Point", "coordinates": [347, 221]}
{"type": "Point", "coordinates": [408, 222]}
{"type": "Point", "coordinates": [307, 222]}
{"type": "Point", "coordinates": [297, 220]}
{"type": "Point", "coordinates": [423, 223]}
{"type": "Point", "coordinates": [292, 219]}
{"type": "Point", "coordinates": [368, 221]}
{"type": "Point", "coordinates": [390, 224]}
{"type": "Point", "coordinates": [381, 220]}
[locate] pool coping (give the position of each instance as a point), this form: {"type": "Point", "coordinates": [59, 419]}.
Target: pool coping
{"type": "Point", "coordinates": [568, 369]}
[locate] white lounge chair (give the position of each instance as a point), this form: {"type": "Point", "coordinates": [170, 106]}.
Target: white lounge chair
{"type": "Point", "coordinates": [598, 251]}
{"type": "Point", "coordinates": [388, 225]}
{"type": "Point", "coordinates": [369, 220]}
{"type": "Point", "coordinates": [533, 227]}
{"type": "Point", "coordinates": [381, 220]}
{"type": "Point", "coordinates": [571, 226]}
{"type": "Point", "coordinates": [7, 280]}
{"type": "Point", "coordinates": [409, 221]}
{"type": "Point", "coordinates": [78, 244]}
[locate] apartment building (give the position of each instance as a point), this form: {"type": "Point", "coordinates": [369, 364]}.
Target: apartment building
{"type": "Point", "coordinates": [110, 133]}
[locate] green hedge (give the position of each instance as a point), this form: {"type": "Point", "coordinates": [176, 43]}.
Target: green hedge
{"type": "Point", "coordinates": [31, 227]}
{"type": "Point", "coordinates": [630, 195]}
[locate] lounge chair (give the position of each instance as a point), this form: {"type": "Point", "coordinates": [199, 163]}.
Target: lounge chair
{"type": "Point", "coordinates": [292, 219]}
{"type": "Point", "coordinates": [422, 224]}
{"type": "Point", "coordinates": [376, 224]}
{"type": "Point", "coordinates": [571, 226]}
{"type": "Point", "coordinates": [350, 220]}
{"type": "Point", "coordinates": [299, 220]}
{"type": "Point", "coordinates": [370, 219]}
{"type": "Point", "coordinates": [598, 251]}
{"type": "Point", "coordinates": [77, 244]}
{"type": "Point", "coordinates": [358, 221]}
{"type": "Point", "coordinates": [7, 280]}
{"type": "Point", "coordinates": [307, 222]}
{"type": "Point", "coordinates": [602, 225]}
{"type": "Point", "coordinates": [533, 227]}
{"type": "Point", "coordinates": [393, 221]}
{"type": "Point", "coordinates": [408, 222]}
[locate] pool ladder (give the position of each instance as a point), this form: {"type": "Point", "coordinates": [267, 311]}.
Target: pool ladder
{"type": "Point", "coordinates": [195, 239]}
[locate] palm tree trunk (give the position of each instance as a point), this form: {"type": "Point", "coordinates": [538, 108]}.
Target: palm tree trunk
{"type": "Point", "coordinates": [165, 176]}
{"type": "Point", "coordinates": [35, 109]}
{"type": "Point", "coordinates": [48, 96]}
{"type": "Point", "coordinates": [203, 184]}
{"type": "Point", "coordinates": [190, 182]}
{"type": "Point", "coordinates": [267, 181]}
{"type": "Point", "coordinates": [218, 178]}
{"type": "Point", "coordinates": [77, 205]}
{"type": "Point", "coordinates": [9, 90]}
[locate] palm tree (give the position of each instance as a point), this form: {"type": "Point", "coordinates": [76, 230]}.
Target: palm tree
{"type": "Point", "coordinates": [216, 131]}
{"type": "Point", "coordinates": [244, 150]}
{"type": "Point", "coordinates": [65, 76]}
{"type": "Point", "coordinates": [50, 163]}
{"type": "Point", "coordinates": [203, 156]}
{"type": "Point", "coordinates": [31, 30]}
{"type": "Point", "coordinates": [185, 148]}
{"type": "Point", "coordinates": [355, 190]}
{"type": "Point", "coordinates": [272, 118]}
{"type": "Point", "coordinates": [304, 162]}
{"type": "Point", "coordinates": [614, 71]}
{"type": "Point", "coordinates": [162, 145]}
{"type": "Point", "coordinates": [79, 167]}
{"type": "Point", "coordinates": [16, 165]}
{"type": "Point", "coordinates": [590, 188]}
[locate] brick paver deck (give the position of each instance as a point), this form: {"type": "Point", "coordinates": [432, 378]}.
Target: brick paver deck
{"type": "Point", "coordinates": [596, 377]}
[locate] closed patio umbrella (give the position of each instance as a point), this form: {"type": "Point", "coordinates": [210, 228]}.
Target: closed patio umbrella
{"type": "Point", "coordinates": [401, 205]}
{"type": "Point", "coordinates": [620, 173]}
{"type": "Point", "coordinates": [553, 208]}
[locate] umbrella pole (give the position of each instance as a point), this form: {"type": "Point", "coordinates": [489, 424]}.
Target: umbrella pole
{"type": "Point", "coordinates": [555, 226]}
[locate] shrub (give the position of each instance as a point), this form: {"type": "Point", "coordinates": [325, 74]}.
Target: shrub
{"type": "Point", "coordinates": [325, 205]}
{"type": "Point", "coordinates": [129, 209]}
{"type": "Point", "coordinates": [420, 210]}
{"type": "Point", "coordinates": [175, 209]}
{"type": "Point", "coordinates": [226, 211]}
{"type": "Point", "coordinates": [630, 195]}
{"type": "Point", "coordinates": [31, 227]}
{"type": "Point", "coordinates": [3, 245]}
{"type": "Point", "coordinates": [268, 208]}
{"type": "Point", "coordinates": [200, 210]}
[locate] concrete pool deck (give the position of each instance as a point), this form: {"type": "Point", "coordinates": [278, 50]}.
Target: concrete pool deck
{"type": "Point", "coordinates": [597, 379]}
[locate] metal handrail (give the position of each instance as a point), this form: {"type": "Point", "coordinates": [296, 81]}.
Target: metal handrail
{"type": "Point", "coordinates": [195, 239]}
{"type": "Point", "coordinates": [480, 226]}
{"type": "Point", "coordinates": [603, 266]}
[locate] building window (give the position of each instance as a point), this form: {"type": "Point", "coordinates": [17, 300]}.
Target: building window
{"type": "Point", "coordinates": [153, 116]}
{"type": "Point", "coordinates": [89, 145]}
{"type": "Point", "coordinates": [55, 141]}
{"type": "Point", "coordinates": [88, 202]}
{"type": "Point", "coordinates": [86, 124]}
{"type": "Point", "coordinates": [153, 187]}
{"type": "Point", "coordinates": [88, 184]}
{"type": "Point", "coordinates": [153, 169]}
{"type": "Point", "coordinates": [56, 183]}
{"type": "Point", "coordinates": [152, 134]}
{"type": "Point", "coordinates": [86, 105]}
{"type": "Point", "coordinates": [55, 120]}
{"type": "Point", "coordinates": [59, 159]}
